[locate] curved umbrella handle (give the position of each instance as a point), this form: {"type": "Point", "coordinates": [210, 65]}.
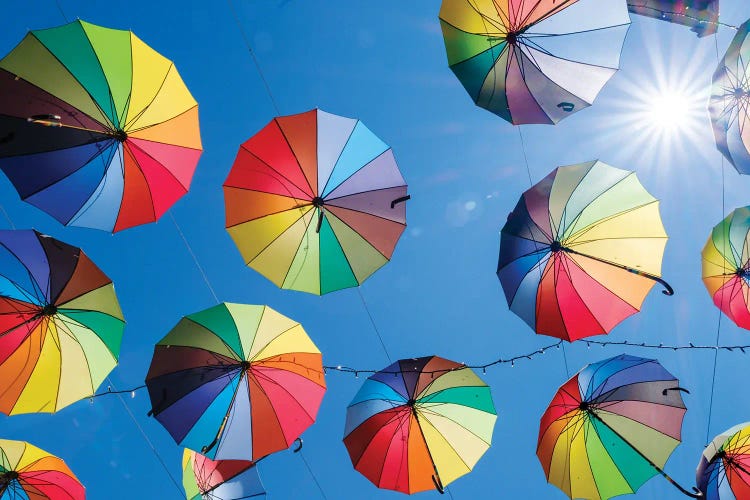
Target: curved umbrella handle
{"type": "Point", "coordinates": [438, 485]}
{"type": "Point", "coordinates": [298, 448]}
{"type": "Point", "coordinates": [400, 200]}
{"type": "Point", "coordinates": [664, 392]}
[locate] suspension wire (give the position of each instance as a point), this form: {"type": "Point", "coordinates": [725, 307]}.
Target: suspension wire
{"type": "Point", "coordinates": [724, 242]}
{"type": "Point", "coordinates": [531, 184]}
{"type": "Point", "coordinates": [315, 479]}
{"type": "Point", "coordinates": [145, 438]}
{"type": "Point", "coordinates": [374, 326]}
{"type": "Point", "coordinates": [109, 380]}
{"type": "Point", "coordinates": [278, 112]}
{"type": "Point", "coordinates": [7, 217]}
{"type": "Point", "coordinates": [59, 7]}
{"type": "Point", "coordinates": [195, 258]}
{"type": "Point", "coordinates": [254, 57]}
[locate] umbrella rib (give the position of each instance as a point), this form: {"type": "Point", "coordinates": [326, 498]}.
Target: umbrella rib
{"type": "Point", "coordinates": [321, 191]}
{"type": "Point", "coordinates": [368, 162]}
{"type": "Point", "coordinates": [67, 70]}
{"type": "Point", "coordinates": [565, 264]}
{"type": "Point", "coordinates": [140, 113]}
{"type": "Point", "coordinates": [146, 127]}
{"type": "Point", "coordinates": [289, 145]}
{"type": "Point", "coordinates": [487, 19]}
{"type": "Point", "coordinates": [427, 409]}
{"type": "Point", "coordinates": [305, 240]}
{"type": "Point", "coordinates": [302, 215]}
{"type": "Point", "coordinates": [109, 88]}
{"type": "Point", "coordinates": [289, 192]}
{"type": "Point", "coordinates": [436, 477]}
{"type": "Point", "coordinates": [667, 288]}
{"type": "Point", "coordinates": [521, 61]}
{"type": "Point", "coordinates": [329, 205]}
{"type": "Point", "coordinates": [525, 22]}
{"type": "Point", "coordinates": [648, 460]}
{"type": "Point", "coordinates": [281, 387]}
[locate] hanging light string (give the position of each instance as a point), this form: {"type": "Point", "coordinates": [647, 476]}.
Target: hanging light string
{"type": "Point", "coordinates": [738, 348]}
{"type": "Point", "coordinates": [688, 16]}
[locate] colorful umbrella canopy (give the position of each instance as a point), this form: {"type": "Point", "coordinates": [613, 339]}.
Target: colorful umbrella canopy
{"type": "Point", "coordinates": [581, 250]}
{"type": "Point", "coordinates": [26, 472]}
{"type": "Point", "coordinates": [419, 424]}
{"type": "Point", "coordinates": [724, 469]}
{"type": "Point", "coordinates": [611, 428]}
{"type": "Point", "coordinates": [236, 381]}
{"type": "Point", "coordinates": [534, 62]}
{"type": "Point", "coordinates": [96, 128]}
{"type": "Point", "coordinates": [702, 16]}
{"type": "Point", "coordinates": [726, 266]}
{"type": "Point", "coordinates": [60, 324]}
{"type": "Point", "coordinates": [206, 479]}
{"type": "Point", "coordinates": [730, 97]}
{"type": "Point", "coordinates": [314, 202]}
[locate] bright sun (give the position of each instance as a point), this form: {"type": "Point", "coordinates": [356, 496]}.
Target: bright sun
{"type": "Point", "coordinates": [669, 112]}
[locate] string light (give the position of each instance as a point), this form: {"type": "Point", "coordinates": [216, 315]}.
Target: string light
{"type": "Point", "coordinates": [500, 361]}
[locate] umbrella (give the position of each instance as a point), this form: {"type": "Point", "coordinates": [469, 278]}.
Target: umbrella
{"type": "Point", "coordinates": [726, 266]}
{"type": "Point", "coordinates": [236, 381]}
{"type": "Point", "coordinates": [96, 128]}
{"type": "Point", "coordinates": [419, 424]}
{"type": "Point", "coordinates": [611, 428]}
{"type": "Point", "coordinates": [533, 62]}
{"type": "Point", "coordinates": [581, 250]}
{"type": "Point", "coordinates": [724, 469]}
{"type": "Point", "coordinates": [730, 97]}
{"type": "Point", "coordinates": [314, 202]}
{"type": "Point", "coordinates": [26, 472]}
{"type": "Point", "coordinates": [206, 479]}
{"type": "Point", "coordinates": [702, 16]}
{"type": "Point", "coordinates": [60, 324]}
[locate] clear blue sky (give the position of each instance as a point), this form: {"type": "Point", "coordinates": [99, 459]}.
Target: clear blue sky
{"type": "Point", "coordinates": [384, 63]}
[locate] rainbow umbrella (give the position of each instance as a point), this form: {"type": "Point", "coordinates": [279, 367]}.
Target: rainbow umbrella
{"type": "Point", "coordinates": [702, 16]}
{"type": "Point", "coordinates": [419, 424]}
{"type": "Point", "coordinates": [236, 381]}
{"type": "Point", "coordinates": [726, 266]}
{"type": "Point", "coordinates": [581, 251]}
{"type": "Point", "coordinates": [611, 428]}
{"type": "Point", "coordinates": [314, 202]}
{"type": "Point", "coordinates": [96, 128]}
{"type": "Point", "coordinates": [724, 469]}
{"type": "Point", "coordinates": [60, 324]}
{"type": "Point", "coordinates": [26, 472]}
{"type": "Point", "coordinates": [206, 479]}
{"type": "Point", "coordinates": [534, 62]}
{"type": "Point", "coordinates": [729, 101]}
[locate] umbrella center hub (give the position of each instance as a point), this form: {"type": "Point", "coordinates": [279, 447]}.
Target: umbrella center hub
{"type": "Point", "coordinates": [742, 272]}
{"type": "Point", "coordinates": [49, 310]}
{"type": "Point", "coordinates": [245, 366]}
{"type": "Point", "coordinates": [511, 37]}
{"type": "Point", "coordinates": [556, 246]}
{"type": "Point", "coordinates": [7, 477]}
{"type": "Point", "coordinates": [411, 402]}
{"type": "Point", "coordinates": [584, 406]}
{"type": "Point", "coordinates": [120, 135]}
{"type": "Point", "coordinates": [318, 202]}
{"type": "Point", "coordinates": [739, 93]}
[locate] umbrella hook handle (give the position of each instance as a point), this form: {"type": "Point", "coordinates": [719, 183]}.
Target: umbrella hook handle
{"type": "Point", "coordinates": [400, 200]}
{"type": "Point", "coordinates": [668, 290]}
{"type": "Point", "coordinates": [438, 484]}
{"type": "Point", "coordinates": [298, 448]}
{"type": "Point", "coordinates": [320, 221]}
{"type": "Point", "coordinates": [664, 392]}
